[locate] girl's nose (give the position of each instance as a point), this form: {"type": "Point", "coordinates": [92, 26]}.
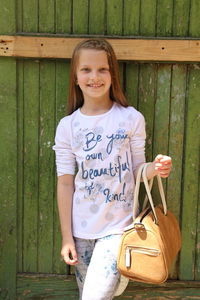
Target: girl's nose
{"type": "Point", "coordinates": [94, 75]}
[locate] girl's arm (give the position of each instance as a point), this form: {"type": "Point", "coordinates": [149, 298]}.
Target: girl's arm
{"type": "Point", "coordinates": [65, 191]}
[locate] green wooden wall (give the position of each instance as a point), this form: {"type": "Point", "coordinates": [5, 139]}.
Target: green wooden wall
{"type": "Point", "coordinates": [33, 96]}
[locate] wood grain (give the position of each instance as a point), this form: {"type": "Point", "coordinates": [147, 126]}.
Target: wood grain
{"type": "Point", "coordinates": [126, 49]}
{"type": "Point", "coordinates": [65, 287]}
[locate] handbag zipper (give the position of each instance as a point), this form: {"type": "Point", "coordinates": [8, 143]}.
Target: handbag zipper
{"type": "Point", "coordinates": [142, 250]}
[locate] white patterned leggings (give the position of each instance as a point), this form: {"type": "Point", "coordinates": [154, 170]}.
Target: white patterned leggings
{"type": "Point", "coordinates": [96, 273]}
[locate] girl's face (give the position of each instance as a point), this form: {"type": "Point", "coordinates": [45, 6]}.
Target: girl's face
{"type": "Point", "coordinates": [93, 75]}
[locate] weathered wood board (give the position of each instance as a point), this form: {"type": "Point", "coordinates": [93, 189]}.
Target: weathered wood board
{"type": "Point", "coordinates": [65, 287]}
{"type": "Point", "coordinates": [125, 49]}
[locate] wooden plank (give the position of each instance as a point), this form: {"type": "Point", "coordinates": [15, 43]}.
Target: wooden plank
{"type": "Point", "coordinates": [64, 287]}
{"type": "Point", "coordinates": [80, 16]}
{"type": "Point", "coordinates": [7, 17]}
{"type": "Point", "coordinates": [146, 101]}
{"type": "Point", "coordinates": [19, 18]}
{"type": "Point", "coordinates": [114, 13]}
{"type": "Point", "coordinates": [194, 25]}
{"type": "Point", "coordinates": [197, 265]}
{"type": "Point", "coordinates": [63, 18]}
{"type": "Point", "coordinates": [114, 26]}
{"type": "Point", "coordinates": [8, 178]}
{"type": "Point", "coordinates": [46, 157]}
{"type": "Point", "coordinates": [46, 16]}
{"type": "Point", "coordinates": [164, 17]}
{"type": "Point", "coordinates": [194, 268]}
{"type": "Point", "coordinates": [132, 71]}
{"type": "Point", "coordinates": [131, 17]}
{"type": "Point", "coordinates": [181, 18]}
{"type": "Point", "coordinates": [114, 17]}
{"type": "Point", "coordinates": [20, 162]}
{"type": "Point", "coordinates": [161, 293]}
{"type": "Point", "coordinates": [8, 160]}
{"type": "Point", "coordinates": [148, 17]}
{"type": "Point", "coordinates": [164, 27]}
{"type": "Point", "coordinates": [46, 166]}
{"type": "Point", "coordinates": [147, 85]}
{"type": "Point", "coordinates": [52, 287]}
{"type": "Point", "coordinates": [176, 143]}
{"type": "Point", "coordinates": [131, 26]}
{"type": "Point", "coordinates": [62, 84]}
{"type": "Point", "coordinates": [188, 259]}
{"type": "Point", "coordinates": [30, 15]}
{"type": "Point", "coordinates": [20, 141]}
{"type": "Point", "coordinates": [97, 17]}
{"type": "Point", "coordinates": [63, 24]}
{"type": "Point", "coordinates": [126, 49]}
{"type": "Point", "coordinates": [31, 149]}
{"type": "Point", "coordinates": [162, 112]}
{"type": "Point", "coordinates": [191, 177]}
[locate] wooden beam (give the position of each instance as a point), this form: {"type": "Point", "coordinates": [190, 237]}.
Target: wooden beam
{"type": "Point", "coordinates": [51, 286]}
{"type": "Point", "coordinates": [126, 49]}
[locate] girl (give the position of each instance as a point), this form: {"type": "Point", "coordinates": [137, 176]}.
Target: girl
{"type": "Point", "coordinates": [105, 138]}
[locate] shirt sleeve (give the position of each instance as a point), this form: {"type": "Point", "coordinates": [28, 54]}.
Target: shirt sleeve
{"type": "Point", "coordinates": [138, 142]}
{"type": "Point", "coordinates": [65, 158]}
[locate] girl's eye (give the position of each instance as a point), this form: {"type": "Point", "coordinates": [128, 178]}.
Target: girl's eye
{"type": "Point", "coordinates": [85, 69]}
{"type": "Point", "coordinates": [104, 70]}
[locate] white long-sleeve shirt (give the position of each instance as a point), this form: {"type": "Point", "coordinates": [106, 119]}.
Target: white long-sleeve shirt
{"type": "Point", "coordinates": [107, 149]}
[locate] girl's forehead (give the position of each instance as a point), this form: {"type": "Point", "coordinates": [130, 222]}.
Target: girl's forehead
{"type": "Point", "coordinates": [92, 56]}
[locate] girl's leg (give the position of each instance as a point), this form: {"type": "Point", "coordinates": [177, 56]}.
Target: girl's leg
{"type": "Point", "coordinates": [84, 250]}
{"type": "Point", "coordinates": [102, 278]}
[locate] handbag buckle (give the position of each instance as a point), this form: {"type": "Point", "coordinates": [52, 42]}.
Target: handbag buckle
{"type": "Point", "coordinates": [139, 226]}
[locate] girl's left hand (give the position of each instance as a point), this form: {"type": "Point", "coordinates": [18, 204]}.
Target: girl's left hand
{"type": "Point", "coordinates": [163, 165]}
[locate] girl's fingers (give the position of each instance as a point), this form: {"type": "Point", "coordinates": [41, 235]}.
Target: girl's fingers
{"type": "Point", "coordinates": [158, 157]}
{"type": "Point", "coordinates": [163, 158]}
{"type": "Point", "coordinates": [164, 172]}
{"type": "Point", "coordinates": [69, 260]}
{"type": "Point", "coordinates": [166, 160]}
{"type": "Point", "coordinates": [66, 258]}
{"type": "Point", "coordinates": [70, 256]}
{"type": "Point", "coordinates": [165, 167]}
{"type": "Point", "coordinates": [74, 255]}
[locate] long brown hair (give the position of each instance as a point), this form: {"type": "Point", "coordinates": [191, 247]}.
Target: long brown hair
{"type": "Point", "coordinates": [76, 99]}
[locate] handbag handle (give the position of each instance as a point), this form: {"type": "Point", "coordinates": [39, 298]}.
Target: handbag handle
{"type": "Point", "coordinates": [142, 174]}
{"type": "Point", "coordinates": [136, 191]}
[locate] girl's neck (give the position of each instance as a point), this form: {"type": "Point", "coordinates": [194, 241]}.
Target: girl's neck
{"type": "Point", "coordinates": [97, 107]}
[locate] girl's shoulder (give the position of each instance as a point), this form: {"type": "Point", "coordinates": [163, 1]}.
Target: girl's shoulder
{"type": "Point", "coordinates": [65, 121]}
{"type": "Point", "coordinates": [130, 112]}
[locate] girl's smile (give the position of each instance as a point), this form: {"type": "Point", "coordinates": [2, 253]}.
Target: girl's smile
{"type": "Point", "coordinates": [93, 75]}
{"type": "Point", "coordinates": [95, 85]}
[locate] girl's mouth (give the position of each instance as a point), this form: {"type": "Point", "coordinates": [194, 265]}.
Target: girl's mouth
{"type": "Point", "coordinates": [95, 85]}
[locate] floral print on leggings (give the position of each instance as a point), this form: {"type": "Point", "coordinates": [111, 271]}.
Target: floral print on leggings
{"type": "Point", "coordinates": [96, 273]}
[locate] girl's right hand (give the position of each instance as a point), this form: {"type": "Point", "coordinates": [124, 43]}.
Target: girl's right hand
{"type": "Point", "coordinates": [68, 252]}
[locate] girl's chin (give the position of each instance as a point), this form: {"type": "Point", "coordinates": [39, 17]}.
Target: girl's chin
{"type": "Point", "coordinates": [96, 97]}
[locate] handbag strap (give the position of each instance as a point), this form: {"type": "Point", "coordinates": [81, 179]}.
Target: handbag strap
{"type": "Point", "coordinates": [136, 191]}
{"type": "Point", "coordinates": [150, 183]}
{"type": "Point", "coordinates": [161, 190]}
{"type": "Point", "coordinates": [142, 174]}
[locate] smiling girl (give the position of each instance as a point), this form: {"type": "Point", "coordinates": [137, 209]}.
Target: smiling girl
{"type": "Point", "coordinates": [105, 139]}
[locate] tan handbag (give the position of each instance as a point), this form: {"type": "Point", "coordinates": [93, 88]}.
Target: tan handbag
{"type": "Point", "coordinates": [150, 245]}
